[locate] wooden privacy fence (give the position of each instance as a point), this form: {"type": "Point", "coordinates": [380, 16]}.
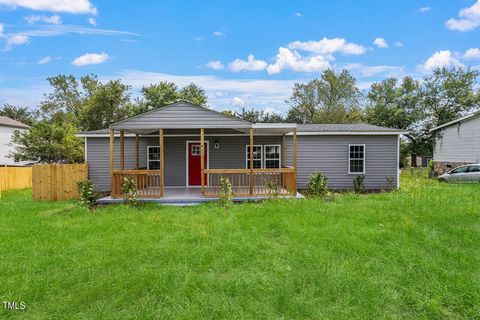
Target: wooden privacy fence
{"type": "Point", "coordinates": [57, 181]}
{"type": "Point", "coordinates": [15, 178]}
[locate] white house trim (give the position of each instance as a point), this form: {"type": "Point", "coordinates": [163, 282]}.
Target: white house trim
{"type": "Point", "coordinates": [364, 158]}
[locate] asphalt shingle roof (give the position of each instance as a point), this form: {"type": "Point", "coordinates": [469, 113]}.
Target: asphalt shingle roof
{"type": "Point", "coordinates": [342, 127]}
{"type": "Point", "coordinates": [7, 122]}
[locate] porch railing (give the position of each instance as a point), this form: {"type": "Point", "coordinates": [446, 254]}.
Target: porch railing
{"type": "Point", "coordinates": [265, 181]}
{"type": "Point", "coordinates": [149, 182]}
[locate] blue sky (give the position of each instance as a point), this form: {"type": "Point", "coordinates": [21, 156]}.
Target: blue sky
{"type": "Point", "coordinates": [243, 53]}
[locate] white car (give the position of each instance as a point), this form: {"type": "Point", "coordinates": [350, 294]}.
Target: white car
{"type": "Point", "coordinates": [467, 173]}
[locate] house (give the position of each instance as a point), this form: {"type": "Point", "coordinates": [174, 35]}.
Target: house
{"type": "Point", "coordinates": [457, 142]}
{"type": "Point", "coordinates": [162, 151]}
{"type": "Point", "coordinates": [7, 128]}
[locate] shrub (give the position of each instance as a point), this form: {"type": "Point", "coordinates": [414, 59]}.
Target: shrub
{"type": "Point", "coordinates": [317, 185]}
{"type": "Point", "coordinates": [88, 196]}
{"type": "Point", "coordinates": [358, 186]}
{"type": "Point", "coordinates": [390, 184]}
{"type": "Point", "coordinates": [226, 192]}
{"type": "Point", "coordinates": [273, 188]}
{"type": "Point", "coordinates": [129, 190]}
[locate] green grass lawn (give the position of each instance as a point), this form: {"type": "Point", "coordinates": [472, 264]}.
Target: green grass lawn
{"type": "Point", "coordinates": [414, 253]}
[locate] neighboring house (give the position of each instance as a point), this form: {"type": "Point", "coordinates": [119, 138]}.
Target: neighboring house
{"type": "Point", "coordinates": [457, 143]}
{"type": "Point", "coordinates": [7, 128]}
{"type": "Point", "coordinates": [284, 155]}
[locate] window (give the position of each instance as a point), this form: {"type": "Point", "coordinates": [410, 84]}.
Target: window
{"type": "Point", "coordinates": [153, 157]}
{"type": "Point", "coordinates": [196, 150]}
{"type": "Point", "coordinates": [474, 169]}
{"type": "Point", "coordinates": [257, 157]}
{"type": "Point", "coordinates": [272, 156]}
{"type": "Point", "coordinates": [356, 158]}
{"type": "Point", "coordinates": [460, 170]}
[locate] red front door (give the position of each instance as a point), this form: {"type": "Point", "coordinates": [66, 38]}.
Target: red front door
{"type": "Point", "coordinates": [194, 169]}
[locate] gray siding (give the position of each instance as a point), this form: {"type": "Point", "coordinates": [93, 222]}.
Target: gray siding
{"type": "Point", "coordinates": [458, 143]}
{"type": "Point", "coordinates": [329, 155]}
{"type": "Point", "coordinates": [180, 115]}
{"type": "Point", "coordinates": [230, 155]}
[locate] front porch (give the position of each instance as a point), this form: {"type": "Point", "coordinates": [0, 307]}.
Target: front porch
{"type": "Point", "coordinates": [202, 165]}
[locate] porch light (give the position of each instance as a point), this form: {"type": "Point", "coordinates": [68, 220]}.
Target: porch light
{"type": "Point", "coordinates": [216, 144]}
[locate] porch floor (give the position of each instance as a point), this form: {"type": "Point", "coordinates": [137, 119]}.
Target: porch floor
{"type": "Point", "coordinates": [185, 196]}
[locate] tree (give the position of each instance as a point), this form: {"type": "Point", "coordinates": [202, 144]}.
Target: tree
{"type": "Point", "coordinates": [259, 116]}
{"type": "Point", "coordinates": [48, 142]}
{"type": "Point", "coordinates": [449, 93]}
{"type": "Point", "coordinates": [89, 104]}
{"type": "Point", "coordinates": [398, 106]}
{"type": "Point", "coordinates": [165, 93]}
{"type": "Point", "coordinates": [22, 114]}
{"type": "Point", "coordinates": [105, 104]}
{"type": "Point", "coordinates": [334, 98]}
{"type": "Point", "coordinates": [193, 94]}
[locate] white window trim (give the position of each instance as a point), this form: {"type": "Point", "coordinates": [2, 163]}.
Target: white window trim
{"type": "Point", "coordinates": [148, 152]}
{"type": "Point", "coordinates": [364, 158]}
{"type": "Point", "coordinates": [247, 159]}
{"type": "Point", "coordinates": [279, 154]}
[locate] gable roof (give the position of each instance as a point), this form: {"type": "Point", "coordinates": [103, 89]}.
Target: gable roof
{"type": "Point", "coordinates": [462, 119]}
{"type": "Point", "coordinates": [180, 115]}
{"type": "Point", "coordinates": [8, 122]}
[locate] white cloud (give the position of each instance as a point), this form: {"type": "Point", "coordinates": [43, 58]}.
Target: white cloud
{"type": "Point", "coordinates": [15, 40]}
{"type": "Point", "coordinates": [1, 30]}
{"type": "Point", "coordinates": [472, 53]}
{"type": "Point", "coordinates": [298, 14]}
{"type": "Point", "coordinates": [251, 64]}
{"type": "Point", "coordinates": [424, 9]}
{"type": "Point", "coordinates": [328, 46]}
{"type": "Point", "coordinates": [44, 60]}
{"type": "Point", "coordinates": [199, 38]}
{"type": "Point", "coordinates": [236, 101]}
{"type": "Point", "coordinates": [215, 65]}
{"type": "Point", "coordinates": [399, 44]}
{"type": "Point", "coordinates": [269, 110]}
{"type": "Point", "coordinates": [380, 42]}
{"type": "Point", "coordinates": [90, 58]}
{"type": "Point", "coordinates": [55, 19]}
{"type": "Point", "coordinates": [92, 21]}
{"type": "Point", "coordinates": [219, 33]}
{"type": "Point", "coordinates": [287, 59]}
{"type": "Point", "coordinates": [441, 59]}
{"type": "Point", "coordinates": [68, 6]}
{"type": "Point", "coordinates": [469, 18]}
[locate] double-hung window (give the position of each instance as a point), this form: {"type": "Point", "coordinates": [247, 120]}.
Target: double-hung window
{"type": "Point", "coordinates": [272, 156]}
{"type": "Point", "coordinates": [257, 157]}
{"type": "Point", "coordinates": [153, 157]}
{"type": "Point", "coordinates": [356, 159]}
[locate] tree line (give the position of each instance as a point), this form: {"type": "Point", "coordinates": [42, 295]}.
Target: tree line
{"type": "Point", "coordinates": [86, 104]}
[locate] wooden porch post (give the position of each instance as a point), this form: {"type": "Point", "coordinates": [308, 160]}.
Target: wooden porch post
{"type": "Point", "coordinates": [137, 148]}
{"type": "Point", "coordinates": [122, 150]}
{"type": "Point", "coordinates": [112, 160]}
{"type": "Point", "coordinates": [202, 159]}
{"type": "Point", "coordinates": [251, 162]}
{"type": "Point", "coordinates": [162, 166]}
{"type": "Point", "coordinates": [295, 159]}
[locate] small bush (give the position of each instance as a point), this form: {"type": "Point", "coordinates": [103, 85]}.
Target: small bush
{"type": "Point", "coordinates": [129, 190]}
{"type": "Point", "coordinates": [390, 184]}
{"type": "Point", "coordinates": [273, 188]}
{"type": "Point", "coordinates": [317, 185]}
{"type": "Point", "coordinates": [358, 186]}
{"type": "Point", "coordinates": [88, 196]}
{"type": "Point", "coordinates": [226, 192]}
